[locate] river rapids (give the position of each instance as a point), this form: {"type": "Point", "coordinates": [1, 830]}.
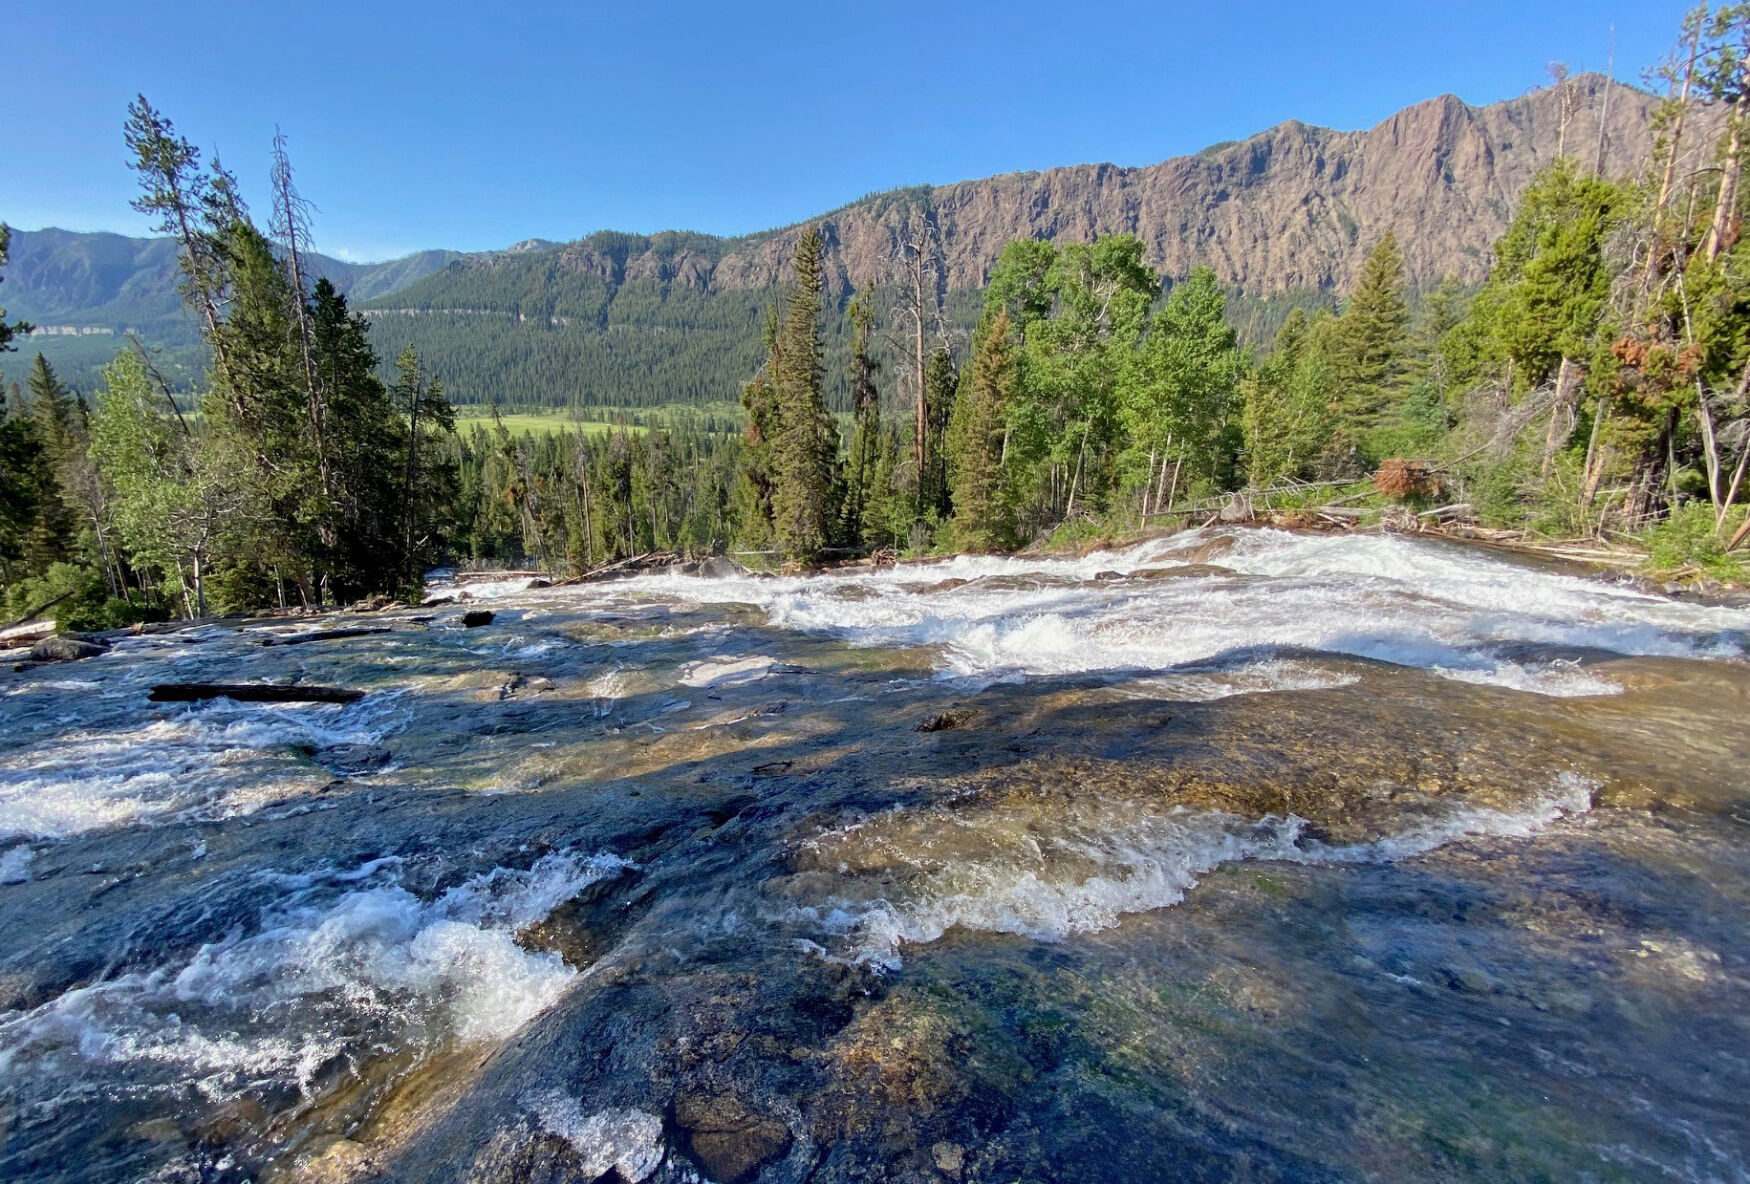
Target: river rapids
{"type": "Point", "coordinates": [1232, 856]}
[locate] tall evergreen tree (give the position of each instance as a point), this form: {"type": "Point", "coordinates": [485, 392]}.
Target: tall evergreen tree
{"type": "Point", "coordinates": [806, 444]}
{"type": "Point", "coordinates": [976, 436]}
{"type": "Point", "coordinates": [428, 479]}
{"type": "Point", "coordinates": [51, 538]}
{"type": "Point", "coordinates": [866, 420]}
{"type": "Point", "coordinates": [1368, 341]}
{"type": "Point", "coordinates": [8, 331]}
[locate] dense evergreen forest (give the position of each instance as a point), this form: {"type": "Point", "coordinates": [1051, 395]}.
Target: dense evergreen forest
{"type": "Point", "coordinates": [1597, 385]}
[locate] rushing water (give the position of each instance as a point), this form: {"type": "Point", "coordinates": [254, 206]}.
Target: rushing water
{"type": "Point", "coordinates": [1235, 856]}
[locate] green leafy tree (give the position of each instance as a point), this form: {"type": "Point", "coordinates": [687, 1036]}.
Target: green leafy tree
{"type": "Point", "coordinates": [1178, 390]}
{"type": "Point", "coordinates": [1285, 407]}
{"type": "Point", "coordinates": [170, 501]}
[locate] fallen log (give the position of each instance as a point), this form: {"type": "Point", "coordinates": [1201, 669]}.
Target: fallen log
{"type": "Point", "coordinates": [325, 635]}
{"type": "Point", "coordinates": [44, 607]}
{"type": "Point", "coordinates": [28, 634]}
{"type": "Point", "coordinates": [251, 692]}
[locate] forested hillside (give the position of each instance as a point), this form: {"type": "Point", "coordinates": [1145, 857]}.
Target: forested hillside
{"type": "Point", "coordinates": [86, 293]}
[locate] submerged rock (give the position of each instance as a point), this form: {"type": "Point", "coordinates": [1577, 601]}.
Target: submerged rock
{"type": "Point", "coordinates": [730, 1139]}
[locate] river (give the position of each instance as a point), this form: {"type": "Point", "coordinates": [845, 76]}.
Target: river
{"type": "Point", "coordinates": [1233, 856]}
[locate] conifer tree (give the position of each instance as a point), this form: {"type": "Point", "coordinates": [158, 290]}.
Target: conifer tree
{"type": "Point", "coordinates": [759, 398]}
{"type": "Point", "coordinates": [428, 480]}
{"type": "Point", "coordinates": [51, 536]}
{"type": "Point", "coordinates": [1368, 342]}
{"type": "Point", "coordinates": [982, 521]}
{"type": "Point", "coordinates": [866, 416]}
{"type": "Point", "coordinates": [8, 332]}
{"type": "Point", "coordinates": [805, 445]}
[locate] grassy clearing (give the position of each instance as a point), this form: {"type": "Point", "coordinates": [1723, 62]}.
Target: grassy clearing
{"type": "Point", "coordinates": [533, 423]}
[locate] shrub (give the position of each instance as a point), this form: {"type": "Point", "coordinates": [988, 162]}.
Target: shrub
{"type": "Point", "coordinates": [1687, 539]}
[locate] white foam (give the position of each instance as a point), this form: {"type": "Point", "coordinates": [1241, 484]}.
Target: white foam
{"type": "Point", "coordinates": [626, 1140]}
{"type": "Point", "coordinates": [1091, 869]}
{"type": "Point", "coordinates": [211, 761]}
{"type": "Point", "coordinates": [1456, 612]}
{"type": "Point", "coordinates": [343, 964]}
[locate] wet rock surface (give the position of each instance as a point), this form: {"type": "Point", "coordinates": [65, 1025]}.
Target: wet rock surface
{"type": "Point", "coordinates": [667, 879]}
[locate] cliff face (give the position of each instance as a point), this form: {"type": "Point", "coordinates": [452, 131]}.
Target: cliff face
{"type": "Point", "coordinates": [1292, 207]}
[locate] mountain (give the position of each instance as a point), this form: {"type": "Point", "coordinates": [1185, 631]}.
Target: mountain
{"type": "Point", "coordinates": [628, 320]}
{"type": "Point", "coordinates": [87, 292]}
{"type": "Point", "coordinates": [65, 280]}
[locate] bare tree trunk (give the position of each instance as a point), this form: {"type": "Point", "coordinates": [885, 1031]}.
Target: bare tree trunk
{"type": "Point", "coordinates": [1726, 204]}
{"type": "Point", "coordinates": [1076, 482]}
{"type": "Point", "coordinates": [417, 389]}
{"type": "Point", "coordinates": [1594, 468]}
{"type": "Point", "coordinates": [1670, 174]}
{"type": "Point", "coordinates": [1148, 483]}
{"type": "Point", "coordinates": [1604, 114]}
{"type": "Point", "coordinates": [291, 222]}
{"type": "Point", "coordinates": [1553, 439]}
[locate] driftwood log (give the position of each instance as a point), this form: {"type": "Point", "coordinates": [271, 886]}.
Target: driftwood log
{"type": "Point", "coordinates": [251, 692]}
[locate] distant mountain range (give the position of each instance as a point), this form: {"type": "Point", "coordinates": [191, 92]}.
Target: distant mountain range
{"type": "Point", "coordinates": [626, 320]}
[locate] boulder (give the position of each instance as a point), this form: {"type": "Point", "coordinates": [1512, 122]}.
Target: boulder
{"type": "Point", "coordinates": [66, 647]}
{"type": "Point", "coordinates": [719, 567]}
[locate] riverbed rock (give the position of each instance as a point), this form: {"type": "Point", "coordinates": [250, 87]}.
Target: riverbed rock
{"type": "Point", "coordinates": [66, 647]}
{"type": "Point", "coordinates": [946, 721]}
{"type": "Point", "coordinates": [730, 1139]}
{"type": "Point", "coordinates": [720, 567]}
{"type": "Point", "coordinates": [1181, 572]}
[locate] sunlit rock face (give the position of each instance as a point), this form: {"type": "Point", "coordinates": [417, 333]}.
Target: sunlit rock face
{"type": "Point", "coordinates": [1232, 856]}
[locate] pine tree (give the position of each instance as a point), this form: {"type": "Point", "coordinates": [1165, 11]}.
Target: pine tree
{"type": "Point", "coordinates": [1369, 340]}
{"type": "Point", "coordinates": [866, 416]}
{"type": "Point", "coordinates": [365, 437]}
{"type": "Point", "coordinates": [16, 328]}
{"type": "Point", "coordinates": [51, 535]}
{"type": "Point", "coordinates": [941, 381]}
{"type": "Point", "coordinates": [428, 479]}
{"type": "Point", "coordinates": [982, 521]}
{"type": "Point", "coordinates": [805, 445]}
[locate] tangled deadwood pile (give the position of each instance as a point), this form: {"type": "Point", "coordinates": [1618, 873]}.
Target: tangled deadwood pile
{"type": "Point", "coordinates": [1401, 478]}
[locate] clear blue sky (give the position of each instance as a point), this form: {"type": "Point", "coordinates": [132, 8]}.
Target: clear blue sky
{"type": "Point", "coordinates": [477, 125]}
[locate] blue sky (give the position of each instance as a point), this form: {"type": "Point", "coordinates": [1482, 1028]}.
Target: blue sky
{"type": "Point", "coordinates": [477, 125]}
